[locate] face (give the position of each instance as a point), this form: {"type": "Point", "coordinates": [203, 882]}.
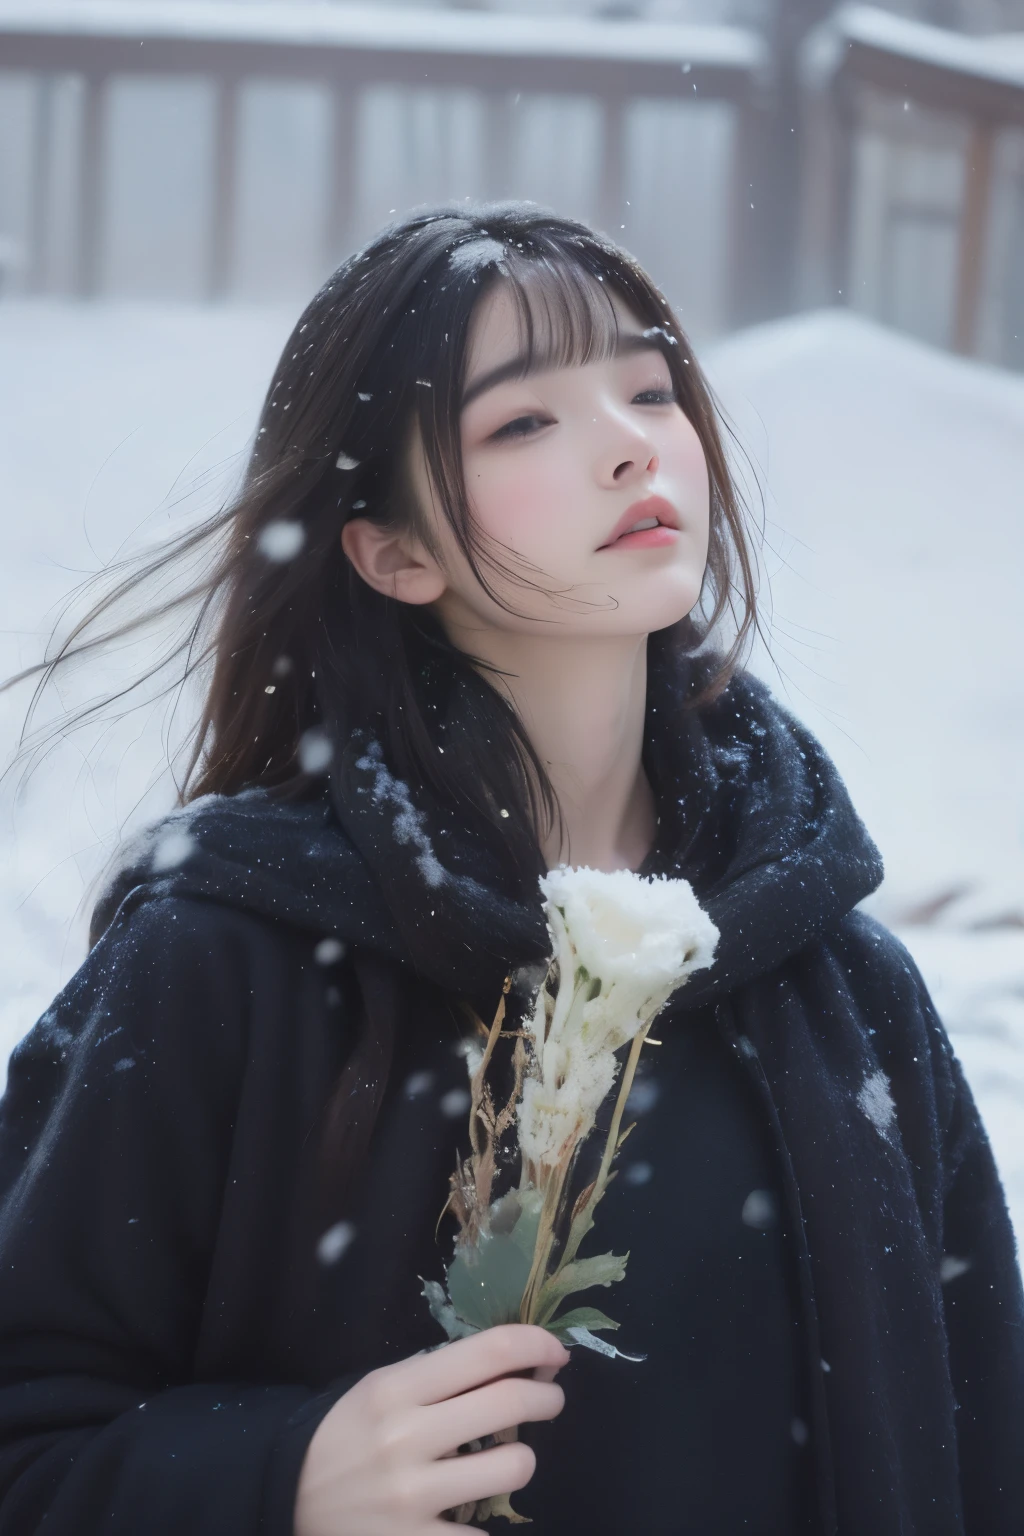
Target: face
{"type": "Point", "coordinates": [558, 465]}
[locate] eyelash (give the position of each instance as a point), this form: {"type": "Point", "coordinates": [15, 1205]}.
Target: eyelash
{"type": "Point", "coordinates": [663, 397]}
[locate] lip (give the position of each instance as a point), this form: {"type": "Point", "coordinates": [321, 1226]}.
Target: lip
{"type": "Point", "coordinates": [650, 506]}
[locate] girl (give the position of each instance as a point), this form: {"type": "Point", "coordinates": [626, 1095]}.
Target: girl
{"type": "Point", "coordinates": [465, 615]}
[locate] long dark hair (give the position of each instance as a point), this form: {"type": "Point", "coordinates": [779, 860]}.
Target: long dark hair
{"type": "Point", "coordinates": [290, 637]}
{"type": "Point", "coordinates": [294, 648]}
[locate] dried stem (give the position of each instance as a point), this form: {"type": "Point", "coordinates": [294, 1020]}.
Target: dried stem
{"type": "Point", "coordinates": [583, 1220]}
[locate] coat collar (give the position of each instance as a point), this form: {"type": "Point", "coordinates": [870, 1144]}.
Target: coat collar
{"type": "Point", "coordinates": [751, 811]}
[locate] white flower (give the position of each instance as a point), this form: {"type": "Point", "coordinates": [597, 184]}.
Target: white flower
{"type": "Point", "coordinates": [555, 1114]}
{"type": "Point", "coordinates": [646, 934]}
{"type": "Point", "coordinates": [626, 943]}
{"type": "Point", "coordinates": [623, 944]}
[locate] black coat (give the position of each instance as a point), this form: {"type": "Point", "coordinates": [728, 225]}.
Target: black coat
{"type": "Point", "coordinates": [171, 1332]}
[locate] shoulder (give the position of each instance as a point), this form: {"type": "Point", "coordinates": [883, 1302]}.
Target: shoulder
{"type": "Point", "coordinates": [171, 941]}
{"type": "Point", "coordinates": [240, 850]}
{"type": "Point", "coordinates": [877, 972]}
{"type": "Point", "coordinates": [169, 977]}
{"type": "Point", "coordinates": [877, 959]}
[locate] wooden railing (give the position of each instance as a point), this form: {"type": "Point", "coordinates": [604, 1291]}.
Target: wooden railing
{"type": "Point", "coordinates": [975, 82]}
{"type": "Point", "coordinates": [348, 49]}
{"type": "Point", "coordinates": [778, 255]}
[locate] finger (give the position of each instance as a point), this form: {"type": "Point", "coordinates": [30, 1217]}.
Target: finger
{"type": "Point", "coordinates": [502, 1469]}
{"type": "Point", "coordinates": [464, 1364]}
{"type": "Point", "coordinates": [498, 1405]}
{"type": "Point", "coordinates": [546, 1372]}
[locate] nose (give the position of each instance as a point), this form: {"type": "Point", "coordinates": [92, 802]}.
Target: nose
{"type": "Point", "coordinates": [627, 456]}
{"type": "Point", "coordinates": [631, 469]}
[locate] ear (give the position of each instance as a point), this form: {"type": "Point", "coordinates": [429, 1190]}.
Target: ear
{"type": "Point", "coordinates": [392, 563]}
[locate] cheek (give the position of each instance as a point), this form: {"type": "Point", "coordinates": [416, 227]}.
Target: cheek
{"type": "Point", "coordinates": [524, 500]}
{"type": "Point", "coordinates": [684, 458]}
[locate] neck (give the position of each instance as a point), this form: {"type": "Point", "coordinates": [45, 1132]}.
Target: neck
{"type": "Point", "coordinates": [582, 703]}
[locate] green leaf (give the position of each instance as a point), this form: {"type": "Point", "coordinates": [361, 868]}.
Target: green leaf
{"type": "Point", "coordinates": [442, 1311]}
{"type": "Point", "coordinates": [600, 1346]}
{"type": "Point", "coordinates": [486, 1281]}
{"type": "Point", "coordinates": [602, 1269]}
{"type": "Point", "coordinates": [524, 1233]}
{"type": "Point", "coordinates": [581, 1317]}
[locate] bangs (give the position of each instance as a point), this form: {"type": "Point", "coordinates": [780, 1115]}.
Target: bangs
{"type": "Point", "coordinates": [562, 298]}
{"type": "Point", "coordinates": [565, 312]}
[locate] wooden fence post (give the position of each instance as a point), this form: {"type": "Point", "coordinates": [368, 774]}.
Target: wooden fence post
{"type": "Point", "coordinates": [224, 209]}
{"type": "Point", "coordinates": [611, 193]}
{"type": "Point", "coordinates": [974, 221]}
{"type": "Point", "coordinates": [341, 171]}
{"type": "Point", "coordinates": [41, 206]}
{"type": "Point", "coordinates": [91, 185]}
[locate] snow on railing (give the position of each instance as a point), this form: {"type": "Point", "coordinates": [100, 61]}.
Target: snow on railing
{"type": "Point", "coordinates": [975, 82]}
{"type": "Point", "coordinates": [346, 49]}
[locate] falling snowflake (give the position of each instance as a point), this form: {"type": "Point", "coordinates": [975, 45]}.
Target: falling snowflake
{"type": "Point", "coordinates": [329, 951]}
{"type": "Point", "coordinates": [951, 1268]}
{"type": "Point", "coordinates": [281, 541]}
{"type": "Point", "coordinates": [315, 751]}
{"type": "Point", "coordinates": [760, 1209]}
{"type": "Point", "coordinates": [642, 1096]}
{"type": "Point", "coordinates": [455, 1102]}
{"type": "Point", "coordinates": [174, 848]}
{"type": "Point", "coordinates": [346, 461]}
{"type": "Point", "coordinates": [334, 1242]}
{"type": "Point", "coordinates": [637, 1173]}
{"type": "Point", "coordinates": [417, 1083]}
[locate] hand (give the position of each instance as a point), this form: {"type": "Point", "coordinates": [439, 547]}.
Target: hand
{"type": "Point", "coordinates": [384, 1462]}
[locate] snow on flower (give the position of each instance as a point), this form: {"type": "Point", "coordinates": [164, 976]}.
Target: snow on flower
{"type": "Point", "coordinates": [622, 945]}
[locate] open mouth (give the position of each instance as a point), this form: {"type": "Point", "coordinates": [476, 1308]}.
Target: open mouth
{"type": "Point", "coordinates": [648, 524]}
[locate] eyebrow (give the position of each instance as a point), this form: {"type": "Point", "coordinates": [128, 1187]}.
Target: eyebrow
{"type": "Point", "coordinates": [626, 343]}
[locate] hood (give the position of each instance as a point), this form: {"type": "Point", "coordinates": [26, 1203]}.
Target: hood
{"type": "Point", "coordinates": [751, 811]}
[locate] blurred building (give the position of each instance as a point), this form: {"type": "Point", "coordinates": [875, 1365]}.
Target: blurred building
{"type": "Point", "coordinates": [759, 156]}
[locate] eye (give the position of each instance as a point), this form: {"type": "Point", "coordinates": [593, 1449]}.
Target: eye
{"type": "Point", "coordinates": [656, 397]}
{"type": "Point", "coordinates": [520, 427]}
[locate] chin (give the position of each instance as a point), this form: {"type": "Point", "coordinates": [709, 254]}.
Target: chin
{"type": "Point", "coordinates": [656, 605]}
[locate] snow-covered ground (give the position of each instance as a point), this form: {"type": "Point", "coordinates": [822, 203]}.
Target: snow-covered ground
{"type": "Point", "coordinates": [894, 544]}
